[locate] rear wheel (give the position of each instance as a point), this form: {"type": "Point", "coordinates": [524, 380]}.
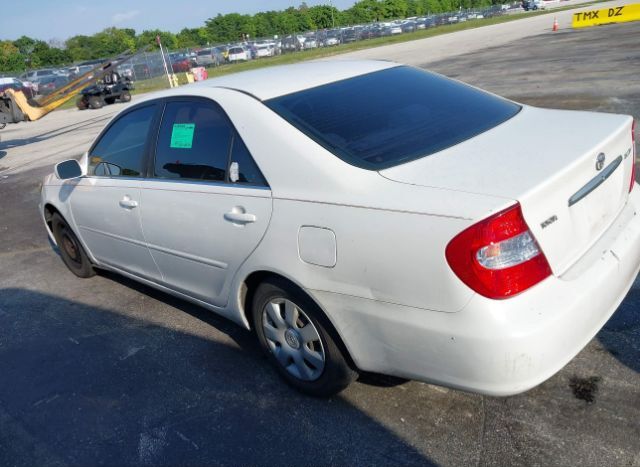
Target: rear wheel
{"type": "Point", "coordinates": [96, 102]}
{"type": "Point", "coordinates": [81, 104]}
{"type": "Point", "coordinates": [125, 96]}
{"type": "Point", "coordinates": [71, 251]}
{"type": "Point", "coordinates": [298, 340]}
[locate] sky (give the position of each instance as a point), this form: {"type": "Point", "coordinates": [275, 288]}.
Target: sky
{"type": "Point", "coordinates": [61, 19]}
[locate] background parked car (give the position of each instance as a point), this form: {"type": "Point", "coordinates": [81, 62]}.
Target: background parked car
{"type": "Point", "coordinates": [532, 5]}
{"type": "Point", "coordinates": [293, 43]}
{"type": "Point", "coordinates": [36, 75]}
{"type": "Point", "coordinates": [252, 51]}
{"type": "Point", "coordinates": [310, 42]}
{"type": "Point", "coordinates": [349, 35]}
{"type": "Point", "coordinates": [126, 71]}
{"type": "Point", "coordinates": [238, 54]}
{"type": "Point", "coordinates": [265, 50]}
{"type": "Point", "coordinates": [16, 85]}
{"type": "Point", "coordinates": [408, 26]}
{"type": "Point", "coordinates": [331, 38]}
{"type": "Point", "coordinates": [180, 62]}
{"type": "Point", "coordinates": [209, 57]}
{"type": "Point", "coordinates": [49, 84]}
{"type": "Point", "coordinates": [395, 29]}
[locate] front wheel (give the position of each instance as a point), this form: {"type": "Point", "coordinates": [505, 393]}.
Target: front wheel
{"type": "Point", "coordinates": [298, 340]}
{"type": "Point", "coordinates": [125, 96]}
{"type": "Point", "coordinates": [71, 251]}
{"type": "Point", "coordinates": [96, 102]}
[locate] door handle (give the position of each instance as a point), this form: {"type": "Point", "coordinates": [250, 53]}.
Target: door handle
{"type": "Point", "coordinates": [128, 203]}
{"type": "Point", "coordinates": [238, 216]}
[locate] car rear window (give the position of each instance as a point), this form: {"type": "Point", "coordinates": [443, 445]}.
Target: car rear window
{"type": "Point", "coordinates": [389, 117]}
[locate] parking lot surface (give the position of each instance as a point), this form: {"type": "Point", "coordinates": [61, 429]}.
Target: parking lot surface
{"type": "Point", "coordinates": [108, 372]}
{"type": "Point", "coordinates": [477, 39]}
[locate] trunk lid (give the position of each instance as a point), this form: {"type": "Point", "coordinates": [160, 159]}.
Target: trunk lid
{"type": "Point", "coordinates": [548, 161]}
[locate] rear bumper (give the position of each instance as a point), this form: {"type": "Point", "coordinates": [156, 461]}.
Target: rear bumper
{"type": "Point", "coordinates": [496, 347]}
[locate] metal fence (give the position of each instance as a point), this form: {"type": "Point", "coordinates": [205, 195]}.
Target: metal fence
{"type": "Point", "coordinates": [150, 65]}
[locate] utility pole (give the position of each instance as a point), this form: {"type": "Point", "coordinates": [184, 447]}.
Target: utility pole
{"type": "Point", "coordinates": [166, 69]}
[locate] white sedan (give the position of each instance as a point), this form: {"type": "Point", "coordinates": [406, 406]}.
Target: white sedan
{"type": "Point", "coordinates": [238, 54]}
{"type": "Point", "coordinates": [365, 217]}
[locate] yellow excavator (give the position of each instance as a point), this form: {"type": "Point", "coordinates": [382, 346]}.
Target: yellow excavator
{"type": "Point", "coordinates": [16, 107]}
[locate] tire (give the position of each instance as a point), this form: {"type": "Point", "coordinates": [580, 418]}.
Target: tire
{"type": "Point", "coordinates": [96, 102]}
{"type": "Point", "coordinates": [81, 104]}
{"type": "Point", "coordinates": [316, 366]}
{"type": "Point", "coordinates": [125, 96]}
{"type": "Point", "coordinates": [71, 251]}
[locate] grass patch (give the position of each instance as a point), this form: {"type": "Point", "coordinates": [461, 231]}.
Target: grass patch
{"type": "Point", "coordinates": [160, 82]}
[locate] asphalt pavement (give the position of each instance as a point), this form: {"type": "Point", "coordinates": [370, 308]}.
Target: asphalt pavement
{"type": "Point", "coordinates": [105, 371]}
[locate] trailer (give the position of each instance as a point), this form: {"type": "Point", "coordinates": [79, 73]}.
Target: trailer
{"type": "Point", "coordinates": [15, 107]}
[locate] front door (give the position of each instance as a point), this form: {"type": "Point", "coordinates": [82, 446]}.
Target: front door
{"type": "Point", "coordinates": [105, 204]}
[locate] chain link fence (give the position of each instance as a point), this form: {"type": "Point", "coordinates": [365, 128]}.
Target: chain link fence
{"type": "Point", "coordinates": [147, 69]}
{"type": "Point", "coordinates": [149, 65]}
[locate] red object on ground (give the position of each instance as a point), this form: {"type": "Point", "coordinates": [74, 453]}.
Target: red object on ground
{"type": "Point", "coordinates": [200, 73]}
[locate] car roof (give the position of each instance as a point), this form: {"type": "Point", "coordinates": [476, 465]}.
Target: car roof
{"type": "Point", "coordinates": [270, 82]}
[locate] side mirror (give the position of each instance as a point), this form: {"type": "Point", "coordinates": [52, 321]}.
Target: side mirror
{"type": "Point", "coordinates": [67, 170]}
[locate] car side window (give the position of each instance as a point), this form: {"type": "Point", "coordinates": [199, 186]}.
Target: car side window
{"type": "Point", "coordinates": [244, 170]}
{"type": "Point", "coordinates": [120, 151]}
{"type": "Point", "coordinates": [194, 142]}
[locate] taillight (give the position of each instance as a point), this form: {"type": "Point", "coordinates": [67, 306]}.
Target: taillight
{"type": "Point", "coordinates": [498, 257]}
{"type": "Point", "coordinates": [633, 156]}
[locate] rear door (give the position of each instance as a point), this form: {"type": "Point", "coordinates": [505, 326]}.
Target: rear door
{"type": "Point", "coordinates": [201, 219]}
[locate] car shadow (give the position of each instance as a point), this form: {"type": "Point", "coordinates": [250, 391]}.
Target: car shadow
{"type": "Point", "coordinates": [621, 335]}
{"type": "Point", "coordinates": [83, 384]}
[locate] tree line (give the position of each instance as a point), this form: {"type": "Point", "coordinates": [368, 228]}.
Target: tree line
{"type": "Point", "coordinates": [27, 53]}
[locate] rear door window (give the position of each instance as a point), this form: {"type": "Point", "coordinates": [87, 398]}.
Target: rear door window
{"type": "Point", "coordinates": [197, 141]}
{"type": "Point", "coordinates": [194, 142]}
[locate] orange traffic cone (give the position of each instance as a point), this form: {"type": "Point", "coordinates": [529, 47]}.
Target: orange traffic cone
{"type": "Point", "coordinates": [555, 24]}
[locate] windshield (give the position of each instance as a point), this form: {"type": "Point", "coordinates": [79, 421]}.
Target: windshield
{"type": "Point", "coordinates": [393, 116]}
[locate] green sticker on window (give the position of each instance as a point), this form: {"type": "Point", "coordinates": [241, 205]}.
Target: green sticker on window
{"type": "Point", "coordinates": [182, 135]}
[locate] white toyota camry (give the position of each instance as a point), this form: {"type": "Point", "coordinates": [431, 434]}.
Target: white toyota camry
{"type": "Point", "coordinates": [365, 217]}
